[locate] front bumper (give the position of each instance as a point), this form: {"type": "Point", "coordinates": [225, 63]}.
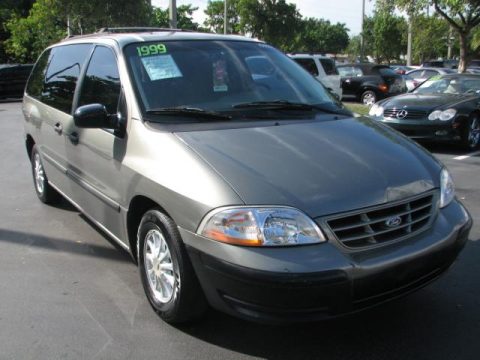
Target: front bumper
{"type": "Point", "coordinates": [424, 129]}
{"type": "Point", "coordinates": [312, 282]}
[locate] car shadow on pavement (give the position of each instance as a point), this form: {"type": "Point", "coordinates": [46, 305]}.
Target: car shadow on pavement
{"type": "Point", "coordinates": [62, 245]}
{"type": "Point", "coordinates": [399, 329]}
{"type": "Point", "coordinates": [433, 323]}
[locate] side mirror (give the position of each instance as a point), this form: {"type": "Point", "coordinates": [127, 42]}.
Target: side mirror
{"type": "Point", "coordinates": [333, 93]}
{"type": "Point", "coordinates": [94, 116]}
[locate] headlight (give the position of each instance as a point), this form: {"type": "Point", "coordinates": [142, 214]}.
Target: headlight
{"type": "Point", "coordinates": [434, 115]}
{"type": "Point", "coordinates": [447, 188]}
{"type": "Point", "coordinates": [447, 114]}
{"type": "Point", "coordinates": [252, 226]}
{"type": "Point", "coordinates": [442, 115]}
{"type": "Point", "coordinates": [376, 110]}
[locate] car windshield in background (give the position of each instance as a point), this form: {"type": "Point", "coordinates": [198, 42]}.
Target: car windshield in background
{"type": "Point", "coordinates": [217, 76]}
{"type": "Point", "coordinates": [449, 85]}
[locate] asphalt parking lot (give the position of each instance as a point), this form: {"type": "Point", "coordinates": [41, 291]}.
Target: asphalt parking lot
{"type": "Point", "coordinates": [66, 292]}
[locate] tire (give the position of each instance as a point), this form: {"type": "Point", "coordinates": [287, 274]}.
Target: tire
{"type": "Point", "coordinates": [368, 97]}
{"type": "Point", "coordinates": [471, 133]}
{"type": "Point", "coordinates": [168, 278]}
{"type": "Point", "coordinates": [45, 192]}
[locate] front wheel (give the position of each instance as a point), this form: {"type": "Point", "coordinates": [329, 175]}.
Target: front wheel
{"type": "Point", "coordinates": [167, 275]}
{"type": "Point", "coordinates": [368, 98]}
{"type": "Point", "coordinates": [471, 133]}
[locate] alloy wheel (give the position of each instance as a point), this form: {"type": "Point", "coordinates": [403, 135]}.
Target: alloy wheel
{"type": "Point", "coordinates": [159, 267]}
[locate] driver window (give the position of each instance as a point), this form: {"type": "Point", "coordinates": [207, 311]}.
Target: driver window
{"type": "Point", "coordinates": [102, 81]}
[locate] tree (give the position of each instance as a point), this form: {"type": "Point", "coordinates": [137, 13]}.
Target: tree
{"type": "Point", "coordinates": [9, 9]}
{"type": "Point", "coordinates": [215, 16]}
{"type": "Point", "coordinates": [389, 35]}
{"type": "Point", "coordinates": [274, 21]}
{"type": "Point", "coordinates": [318, 35]}
{"type": "Point", "coordinates": [161, 17]}
{"type": "Point", "coordinates": [31, 34]}
{"type": "Point", "coordinates": [463, 16]}
{"type": "Point", "coordinates": [46, 22]}
{"type": "Point", "coordinates": [430, 37]}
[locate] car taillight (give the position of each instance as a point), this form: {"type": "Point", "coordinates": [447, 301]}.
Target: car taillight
{"type": "Point", "coordinates": [383, 87]}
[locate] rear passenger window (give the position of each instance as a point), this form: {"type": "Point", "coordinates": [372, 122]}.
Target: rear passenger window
{"type": "Point", "coordinates": [308, 64]}
{"type": "Point", "coordinates": [329, 66]}
{"type": "Point", "coordinates": [62, 74]}
{"type": "Point", "coordinates": [101, 83]}
{"type": "Point", "coordinates": [35, 83]}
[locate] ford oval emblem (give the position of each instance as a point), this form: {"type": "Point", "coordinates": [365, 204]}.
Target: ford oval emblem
{"type": "Point", "coordinates": [394, 221]}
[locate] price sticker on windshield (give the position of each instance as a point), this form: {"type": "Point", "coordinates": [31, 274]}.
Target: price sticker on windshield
{"type": "Point", "coordinates": [149, 50]}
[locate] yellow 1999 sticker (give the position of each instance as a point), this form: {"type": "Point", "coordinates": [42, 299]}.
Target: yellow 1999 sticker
{"type": "Point", "coordinates": [154, 49]}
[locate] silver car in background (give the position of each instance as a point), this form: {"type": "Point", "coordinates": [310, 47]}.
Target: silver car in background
{"type": "Point", "coordinates": [234, 178]}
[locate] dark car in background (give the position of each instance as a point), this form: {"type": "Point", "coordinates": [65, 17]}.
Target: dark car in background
{"type": "Point", "coordinates": [416, 77]}
{"type": "Point", "coordinates": [443, 108]}
{"type": "Point", "coordinates": [369, 83]}
{"type": "Point", "coordinates": [451, 64]}
{"type": "Point", "coordinates": [13, 78]}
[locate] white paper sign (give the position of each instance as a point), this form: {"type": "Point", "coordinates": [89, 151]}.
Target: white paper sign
{"type": "Point", "coordinates": [161, 67]}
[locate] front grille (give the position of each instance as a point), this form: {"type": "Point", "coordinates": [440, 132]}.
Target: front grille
{"type": "Point", "coordinates": [385, 223]}
{"type": "Point", "coordinates": [410, 114]}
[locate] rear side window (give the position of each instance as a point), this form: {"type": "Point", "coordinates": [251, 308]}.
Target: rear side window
{"type": "Point", "coordinates": [102, 82]}
{"type": "Point", "coordinates": [349, 71]}
{"type": "Point", "coordinates": [308, 64]}
{"type": "Point", "coordinates": [35, 83]}
{"type": "Point", "coordinates": [329, 66]}
{"type": "Point", "coordinates": [65, 64]}
{"type": "Point", "coordinates": [386, 71]}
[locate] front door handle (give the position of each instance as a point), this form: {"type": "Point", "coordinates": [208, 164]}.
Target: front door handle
{"type": "Point", "coordinates": [74, 138]}
{"type": "Point", "coordinates": [58, 128]}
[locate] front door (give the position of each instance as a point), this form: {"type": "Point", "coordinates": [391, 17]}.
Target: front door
{"type": "Point", "coordinates": [95, 155]}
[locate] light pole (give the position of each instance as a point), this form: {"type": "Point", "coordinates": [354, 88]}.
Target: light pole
{"type": "Point", "coordinates": [173, 14]}
{"type": "Point", "coordinates": [362, 39]}
{"type": "Point", "coordinates": [225, 17]}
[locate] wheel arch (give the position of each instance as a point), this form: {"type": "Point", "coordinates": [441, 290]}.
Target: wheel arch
{"type": "Point", "coordinates": [29, 143]}
{"type": "Point", "coordinates": [138, 206]}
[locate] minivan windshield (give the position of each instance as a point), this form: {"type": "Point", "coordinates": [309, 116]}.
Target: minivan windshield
{"type": "Point", "coordinates": [219, 77]}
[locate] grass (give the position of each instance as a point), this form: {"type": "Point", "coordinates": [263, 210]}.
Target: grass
{"type": "Point", "coordinates": [357, 108]}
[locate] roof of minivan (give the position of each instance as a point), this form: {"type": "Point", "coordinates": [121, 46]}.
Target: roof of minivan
{"type": "Point", "coordinates": [124, 38]}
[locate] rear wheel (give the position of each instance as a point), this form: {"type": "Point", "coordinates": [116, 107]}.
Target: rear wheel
{"type": "Point", "coordinates": [368, 98]}
{"type": "Point", "coordinates": [167, 275]}
{"type": "Point", "coordinates": [471, 133]}
{"type": "Point", "coordinates": [45, 192]}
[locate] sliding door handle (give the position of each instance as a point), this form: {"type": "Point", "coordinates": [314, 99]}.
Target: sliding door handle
{"type": "Point", "coordinates": [58, 128]}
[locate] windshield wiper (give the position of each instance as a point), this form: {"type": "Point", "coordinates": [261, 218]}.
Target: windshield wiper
{"type": "Point", "coordinates": [286, 105]}
{"type": "Point", "coordinates": [189, 111]}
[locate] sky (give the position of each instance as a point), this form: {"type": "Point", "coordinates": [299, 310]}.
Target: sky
{"type": "Point", "coordinates": [344, 11]}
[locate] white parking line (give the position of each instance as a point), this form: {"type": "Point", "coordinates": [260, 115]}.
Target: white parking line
{"type": "Point", "coordinates": [463, 157]}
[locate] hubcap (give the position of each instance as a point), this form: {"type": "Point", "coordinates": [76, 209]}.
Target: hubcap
{"type": "Point", "coordinates": [39, 173]}
{"type": "Point", "coordinates": [162, 278]}
{"type": "Point", "coordinates": [474, 133]}
{"type": "Point", "coordinates": [368, 99]}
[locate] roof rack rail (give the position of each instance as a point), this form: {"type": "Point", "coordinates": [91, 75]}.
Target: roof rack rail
{"type": "Point", "coordinates": [106, 30]}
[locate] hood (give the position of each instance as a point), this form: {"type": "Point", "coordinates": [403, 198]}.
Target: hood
{"type": "Point", "coordinates": [320, 167]}
{"type": "Point", "coordinates": [424, 101]}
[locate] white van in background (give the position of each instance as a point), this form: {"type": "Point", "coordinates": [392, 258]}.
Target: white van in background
{"type": "Point", "coordinates": [323, 68]}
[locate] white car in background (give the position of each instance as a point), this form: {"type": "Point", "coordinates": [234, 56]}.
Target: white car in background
{"type": "Point", "coordinates": [323, 68]}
